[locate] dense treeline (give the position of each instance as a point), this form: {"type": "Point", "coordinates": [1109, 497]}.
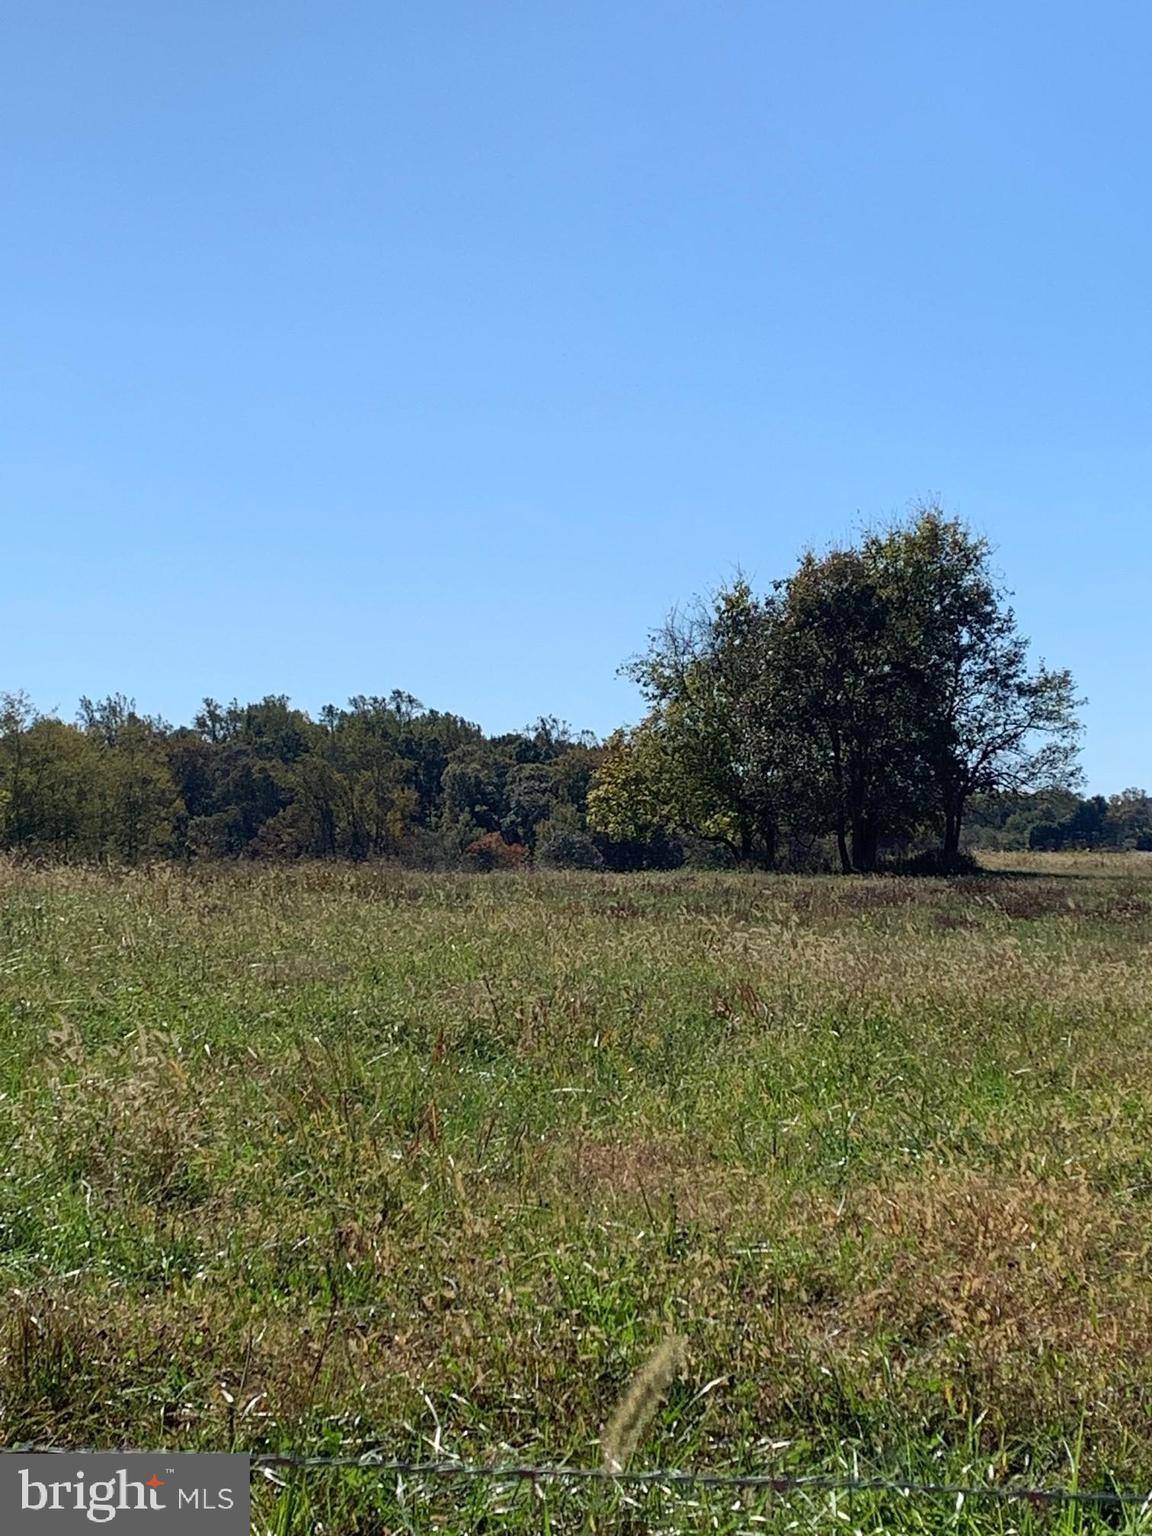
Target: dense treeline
{"type": "Point", "coordinates": [381, 778]}
{"type": "Point", "coordinates": [875, 704]}
{"type": "Point", "coordinates": [1058, 819]}
{"type": "Point", "coordinates": [385, 778]}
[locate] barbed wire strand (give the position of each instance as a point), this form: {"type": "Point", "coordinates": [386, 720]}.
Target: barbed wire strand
{"type": "Point", "coordinates": [670, 1477]}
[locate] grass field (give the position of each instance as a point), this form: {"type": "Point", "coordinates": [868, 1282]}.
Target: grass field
{"type": "Point", "coordinates": [336, 1159]}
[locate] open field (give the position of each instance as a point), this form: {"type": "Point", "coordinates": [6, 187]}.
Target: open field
{"type": "Point", "coordinates": [333, 1158]}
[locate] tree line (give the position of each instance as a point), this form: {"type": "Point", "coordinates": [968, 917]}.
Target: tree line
{"type": "Point", "coordinates": [382, 777]}
{"type": "Point", "coordinates": [876, 704]}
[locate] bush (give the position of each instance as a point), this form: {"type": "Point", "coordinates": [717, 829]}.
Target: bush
{"type": "Point", "coordinates": [1046, 836]}
{"type": "Point", "coordinates": [491, 852]}
{"type": "Point", "coordinates": [429, 848]}
{"type": "Point", "coordinates": [701, 854]}
{"type": "Point", "coordinates": [569, 850]}
{"type": "Point", "coordinates": [659, 851]}
{"type": "Point", "coordinates": [933, 861]}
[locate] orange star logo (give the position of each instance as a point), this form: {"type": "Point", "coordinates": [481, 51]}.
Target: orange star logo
{"type": "Point", "coordinates": [154, 1482]}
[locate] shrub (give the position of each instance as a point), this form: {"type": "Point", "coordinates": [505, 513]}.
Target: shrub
{"type": "Point", "coordinates": [1046, 835]}
{"type": "Point", "coordinates": [700, 854]}
{"type": "Point", "coordinates": [491, 852]}
{"type": "Point", "coordinates": [658, 851]}
{"type": "Point", "coordinates": [570, 850]}
{"type": "Point", "coordinates": [934, 861]}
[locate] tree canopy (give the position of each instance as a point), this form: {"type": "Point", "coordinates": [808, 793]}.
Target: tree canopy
{"type": "Point", "coordinates": [877, 701]}
{"type": "Point", "coordinates": [866, 698]}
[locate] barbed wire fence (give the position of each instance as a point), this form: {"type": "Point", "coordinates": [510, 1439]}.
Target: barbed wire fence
{"type": "Point", "coordinates": [1039, 1495]}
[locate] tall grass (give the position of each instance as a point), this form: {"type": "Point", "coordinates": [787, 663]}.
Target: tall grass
{"type": "Point", "coordinates": [334, 1159]}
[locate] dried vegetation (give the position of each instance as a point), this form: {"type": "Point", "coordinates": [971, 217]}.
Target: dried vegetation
{"type": "Point", "coordinates": [333, 1158]}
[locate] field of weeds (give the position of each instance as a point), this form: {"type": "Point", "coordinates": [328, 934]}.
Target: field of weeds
{"type": "Point", "coordinates": [341, 1159]}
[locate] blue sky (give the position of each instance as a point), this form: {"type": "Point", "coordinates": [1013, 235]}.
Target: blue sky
{"type": "Point", "coordinates": [444, 346]}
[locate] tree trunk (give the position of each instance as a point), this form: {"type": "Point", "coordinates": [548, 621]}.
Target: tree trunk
{"type": "Point", "coordinates": [951, 844]}
{"type": "Point", "coordinates": [865, 844]}
{"type": "Point", "coordinates": [769, 836]}
{"type": "Point", "coordinates": [842, 849]}
{"type": "Point", "coordinates": [953, 823]}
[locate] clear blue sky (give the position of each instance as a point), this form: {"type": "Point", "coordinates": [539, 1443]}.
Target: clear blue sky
{"type": "Point", "coordinates": [444, 344]}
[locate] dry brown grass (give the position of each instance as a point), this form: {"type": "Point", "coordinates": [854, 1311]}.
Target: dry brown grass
{"type": "Point", "coordinates": [377, 1153]}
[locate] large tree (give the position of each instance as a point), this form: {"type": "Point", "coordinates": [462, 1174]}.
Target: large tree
{"type": "Point", "coordinates": [698, 763]}
{"type": "Point", "coordinates": [983, 719]}
{"type": "Point", "coordinates": [836, 702]}
{"type": "Point", "coordinates": [868, 697]}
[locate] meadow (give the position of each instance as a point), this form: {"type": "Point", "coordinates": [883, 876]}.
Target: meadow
{"type": "Point", "coordinates": [335, 1159]}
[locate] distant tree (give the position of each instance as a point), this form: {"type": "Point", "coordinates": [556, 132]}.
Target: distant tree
{"type": "Point", "coordinates": [428, 743]}
{"type": "Point", "coordinates": [699, 763]}
{"type": "Point", "coordinates": [16, 815]}
{"type": "Point", "coordinates": [1004, 819]}
{"type": "Point", "coordinates": [636, 793]}
{"type": "Point", "coordinates": [1130, 813]}
{"type": "Point", "coordinates": [879, 691]}
{"type": "Point", "coordinates": [875, 691]}
{"type": "Point", "coordinates": [358, 782]}
{"type": "Point", "coordinates": [531, 797]}
{"type": "Point", "coordinates": [48, 780]}
{"type": "Point", "coordinates": [569, 850]}
{"type": "Point", "coordinates": [212, 721]}
{"type": "Point", "coordinates": [982, 720]}
{"type": "Point", "coordinates": [836, 700]}
{"type": "Point", "coordinates": [139, 806]}
{"type": "Point", "coordinates": [490, 852]}
{"type": "Point", "coordinates": [1086, 827]}
{"type": "Point", "coordinates": [64, 769]}
{"type": "Point", "coordinates": [107, 718]}
{"type": "Point", "coordinates": [1046, 836]}
{"type": "Point", "coordinates": [474, 790]}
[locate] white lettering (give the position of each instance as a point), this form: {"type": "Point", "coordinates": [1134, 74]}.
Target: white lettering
{"type": "Point", "coordinates": [26, 1488]}
{"type": "Point", "coordinates": [102, 1504]}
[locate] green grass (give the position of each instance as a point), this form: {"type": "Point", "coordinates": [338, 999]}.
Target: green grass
{"type": "Point", "coordinates": [332, 1159]}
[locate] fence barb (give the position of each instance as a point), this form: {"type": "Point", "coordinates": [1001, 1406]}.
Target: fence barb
{"type": "Point", "coordinates": [670, 1477]}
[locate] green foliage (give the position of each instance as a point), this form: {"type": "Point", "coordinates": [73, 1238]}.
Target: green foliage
{"type": "Point", "coordinates": [569, 850]}
{"type": "Point", "coordinates": [867, 699]}
{"type": "Point", "coordinates": [698, 764]}
{"type": "Point", "coordinates": [490, 852]}
{"type": "Point", "coordinates": [983, 721]}
{"type": "Point", "coordinates": [384, 778]}
{"type": "Point", "coordinates": [1122, 821]}
{"type": "Point", "coordinates": [938, 861]}
{"type": "Point", "coordinates": [875, 700]}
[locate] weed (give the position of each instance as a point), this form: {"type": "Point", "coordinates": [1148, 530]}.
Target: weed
{"type": "Point", "coordinates": [331, 1158]}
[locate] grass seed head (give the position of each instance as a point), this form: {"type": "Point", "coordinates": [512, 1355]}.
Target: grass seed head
{"type": "Point", "coordinates": [639, 1403]}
